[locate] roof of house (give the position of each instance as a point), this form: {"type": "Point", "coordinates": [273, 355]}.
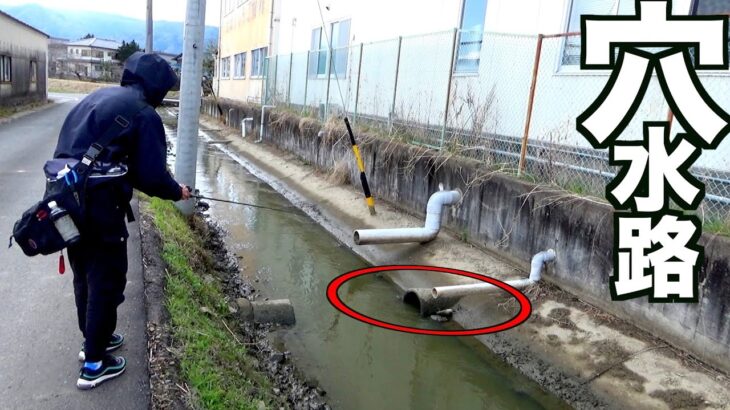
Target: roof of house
{"type": "Point", "coordinates": [2, 13]}
{"type": "Point", "coordinates": [96, 43]}
{"type": "Point", "coordinates": [166, 56]}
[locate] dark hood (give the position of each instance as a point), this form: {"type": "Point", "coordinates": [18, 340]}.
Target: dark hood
{"type": "Point", "coordinates": [151, 72]}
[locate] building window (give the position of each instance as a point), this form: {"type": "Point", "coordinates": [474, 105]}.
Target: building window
{"type": "Point", "coordinates": [711, 7]}
{"type": "Point", "coordinates": [471, 35]}
{"type": "Point", "coordinates": [572, 46]}
{"type": "Point", "coordinates": [33, 72]}
{"type": "Point", "coordinates": [226, 67]}
{"type": "Point", "coordinates": [318, 53]}
{"type": "Point", "coordinates": [340, 41]}
{"type": "Point", "coordinates": [6, 69]}
{"type": "Point", "coordinates": [257, 61]}
{"type": "Point", "coordinates": [239, 67]}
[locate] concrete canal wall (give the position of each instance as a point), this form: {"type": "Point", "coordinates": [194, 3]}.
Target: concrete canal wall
{"type": "Point", "coordinates": [514, 218]}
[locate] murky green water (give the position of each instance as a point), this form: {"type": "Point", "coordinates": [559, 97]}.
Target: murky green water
{"type": "Point", "coordinates": [360, 366]}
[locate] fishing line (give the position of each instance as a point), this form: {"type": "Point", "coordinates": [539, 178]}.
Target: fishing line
{"type": "Point", "coordinates": [289, 211]}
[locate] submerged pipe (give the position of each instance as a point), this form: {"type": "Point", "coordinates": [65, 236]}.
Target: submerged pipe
{"type": "Point", "coordinates": [405, 235]}
{"type": "Point", "coordinates": [279, 312]}
{"type": "Point", "coordinates": [459, 291]}
{"type": "Point", "coordinates": [422, 300]}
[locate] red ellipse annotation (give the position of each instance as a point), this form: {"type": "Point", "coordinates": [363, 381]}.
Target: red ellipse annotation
{"type": "Point", "coordinates": [519, 318]}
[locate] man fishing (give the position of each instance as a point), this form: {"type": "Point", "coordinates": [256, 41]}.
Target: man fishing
{"type": "Point", "coordinates": [134, 159]}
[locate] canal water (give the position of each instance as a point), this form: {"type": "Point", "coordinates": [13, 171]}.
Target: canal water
{"type": "Point", "coordinates": [360, 366]}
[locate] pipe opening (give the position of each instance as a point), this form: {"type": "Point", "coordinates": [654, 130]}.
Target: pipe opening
{"type": "Point", "coordinates": [411, 299]}
{"type": "Point", "coordinates": [357, 238]}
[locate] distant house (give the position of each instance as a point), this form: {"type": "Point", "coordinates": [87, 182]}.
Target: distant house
{"type": "Point", "coordinates": [23, 62]}
{"type": "Point", "coordinates": [93, 58]}
{"type": "Point", "coordinates": [57, 53]}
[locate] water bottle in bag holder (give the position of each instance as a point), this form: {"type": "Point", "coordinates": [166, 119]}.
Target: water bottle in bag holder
{"type": "Point", "coordinates": [64, 224]}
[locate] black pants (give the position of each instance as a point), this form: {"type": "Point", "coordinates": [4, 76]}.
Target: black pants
{"type": "Point", "coordinates": [100, 276]}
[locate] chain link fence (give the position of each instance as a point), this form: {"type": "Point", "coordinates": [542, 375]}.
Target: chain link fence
{"type": "Point", "coordinates": [509, 100]}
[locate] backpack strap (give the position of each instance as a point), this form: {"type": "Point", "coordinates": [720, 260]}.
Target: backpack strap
{"type": "Point", "coordinates": [118, 126]}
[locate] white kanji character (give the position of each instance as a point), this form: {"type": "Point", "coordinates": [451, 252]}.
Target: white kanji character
{"type": "Point", "coordinates": [691, 104]}
{"type": "Point", "coordinates": [634, 237]}
{"type": "Point", "coordinates": [673, 262]}
{"type": "Point", "coordinates": [668, 270]}
{"type": "Point", "coordinates": [662, 166]}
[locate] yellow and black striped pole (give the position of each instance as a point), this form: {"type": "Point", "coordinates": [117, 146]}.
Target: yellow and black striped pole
{"type": "Point", "coordinates": [361, 166]}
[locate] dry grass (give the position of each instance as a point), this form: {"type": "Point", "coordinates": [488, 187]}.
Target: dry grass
{"type": "Point", "coordinates": [6, 112]}
{"type": "Point", "coordinates": [308, 127]}
{"type": "Point", "coordinates": [56, 85]}
{"type": "Point", "coordinates": [339, 174]}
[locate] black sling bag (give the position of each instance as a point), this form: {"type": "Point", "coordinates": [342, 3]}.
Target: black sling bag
{"type": "Point", "coordinates": [35, 231]}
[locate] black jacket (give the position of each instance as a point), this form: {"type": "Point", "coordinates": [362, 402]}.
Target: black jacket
{"type": "Point", "coordinates": [142, 147]}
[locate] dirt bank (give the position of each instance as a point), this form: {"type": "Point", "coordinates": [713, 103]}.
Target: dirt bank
{"type": "Point", "coordinates": [585, 356]}
{"type": "Point", "coordinates": [265, 367]}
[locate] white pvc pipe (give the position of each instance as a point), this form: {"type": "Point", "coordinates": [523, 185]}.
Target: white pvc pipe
{"type": "Point", "coordinates": [405, 235]}
{"type": "Point", "coordinates": [459, 291]}
{"type": "Point", "coordinates": [261, 129]}
{"type": "Point", "coordinates": [243, 126]}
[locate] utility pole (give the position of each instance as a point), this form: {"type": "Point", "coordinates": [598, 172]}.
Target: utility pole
{"type": "Point", "coordinates": [190, 95]}
{"type": "Point", "coordinates": [148, 46]}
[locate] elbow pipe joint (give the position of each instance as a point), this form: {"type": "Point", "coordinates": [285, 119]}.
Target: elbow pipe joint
{"type": "Point", "coordinates": [455, 292]}
{"type": "Point", "coordinates": [427, 233]}
{"type": "Point", "coordinates": [537, 263]}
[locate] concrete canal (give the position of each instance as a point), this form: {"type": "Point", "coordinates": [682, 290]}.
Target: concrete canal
{"type": "Point", "coordinates": [361, 367]}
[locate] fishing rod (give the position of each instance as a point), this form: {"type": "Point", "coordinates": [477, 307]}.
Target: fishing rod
{"type": "Point", "coordinates": [289, 211]}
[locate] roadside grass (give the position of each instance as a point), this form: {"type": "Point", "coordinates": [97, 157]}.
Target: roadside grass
{"type": "Point", "coordinates": [6, 112]}
{"type": "Point", "coordinates": [717, 226]}
{"type": "Point", "coordinates": [213, 361]}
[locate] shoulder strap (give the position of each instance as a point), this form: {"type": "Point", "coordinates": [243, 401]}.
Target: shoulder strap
{"type": "Point", "coordinates": [119, 125]}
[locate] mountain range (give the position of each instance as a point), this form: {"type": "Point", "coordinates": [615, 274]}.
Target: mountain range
{"type": "Point", "coordinates": [74, 24]}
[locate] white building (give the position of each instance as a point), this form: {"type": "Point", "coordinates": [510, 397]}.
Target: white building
{"type": "Point", "coordinates": [469, 61]}
{"type": "Point", "coordinates": [92, 58]}
{"type": "Point", "coordinates": [454, 65]}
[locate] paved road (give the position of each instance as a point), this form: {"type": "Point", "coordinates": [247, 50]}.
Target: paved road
{"type": "Point", "coordinates": [39, 337]}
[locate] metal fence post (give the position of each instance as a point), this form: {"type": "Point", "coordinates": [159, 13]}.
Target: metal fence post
{"type": "Point", "coordinates": [357, 87]}
{"type": "Point", "coordinates": [264, 81]}
{"type": "Point", "coordinates": [273, 85]}
{"type": "Point", "coordinates": [448, 87]}
{"type": "Point", "coordinates": [306, 79]}
{"type": "Point", "coordinates": [330, 53]}
{"type": "Point", "coordinates": [530, 103]}
{"type": "Point", "coordinates": [391, 116]}
{"type": "Point", "coordinates": [288, 84]}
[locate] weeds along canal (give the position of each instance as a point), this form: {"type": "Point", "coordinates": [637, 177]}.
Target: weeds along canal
{"type": "Point", "coordinates": [358, 365]}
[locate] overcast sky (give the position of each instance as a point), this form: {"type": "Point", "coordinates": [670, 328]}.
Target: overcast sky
{"type": "Point", "coordinates": [172, 10]}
